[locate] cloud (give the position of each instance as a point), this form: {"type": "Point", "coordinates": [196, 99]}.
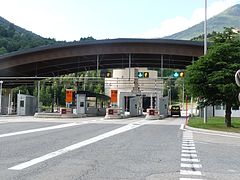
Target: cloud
{"type": "Point", "coordinates": [179, 23]}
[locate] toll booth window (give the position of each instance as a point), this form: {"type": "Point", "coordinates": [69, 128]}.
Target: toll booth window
{"type": "Point", "coordinates": [81, 104]}
{"type": "Point", "coordinates": [21, 103]}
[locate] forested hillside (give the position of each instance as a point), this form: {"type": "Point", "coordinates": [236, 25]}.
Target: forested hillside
{"type": "Point", "coordinates": [12, 38]}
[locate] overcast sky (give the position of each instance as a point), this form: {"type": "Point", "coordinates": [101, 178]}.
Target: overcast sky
{"type": "Point", "coordinates": [72, 19]}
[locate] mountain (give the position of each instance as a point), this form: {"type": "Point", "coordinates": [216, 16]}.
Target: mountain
{"type": "Point", "coordinates": [5, 23]}
{"type": "Point", "coordinates": [14, 38]}
{"type": "Point", "coordinates": [228, 18]}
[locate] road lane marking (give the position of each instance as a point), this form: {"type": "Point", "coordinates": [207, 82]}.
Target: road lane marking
{"type": "Point", "coordinates": [189, 151]}
{"type": "Point", "coordinates": [182, 127]}
{"type": "Point", "coordinates": [189, 179]}
{"type": "Point", "coordinates": [188, 148]}
{"type": "Point", "coordinates": [41, 129]}
{"type": "Point", "coordinates": [189, 155]}
{"type": "Point", "coordinates": [189, 172]}
{"type": "Point", "coordinates": [78, 145]}
{"type": "Point", "coordinates": [188, 145]}
{"type": "Point", "coordinates": [189, 160]}
{"type": "Point", "coordinates": [183, 165]}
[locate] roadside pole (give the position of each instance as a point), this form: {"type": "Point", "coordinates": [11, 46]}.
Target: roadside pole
{"type": "Point", "coordinates": [1, 82]}
{"type": "Point", "coordinates": [205, 52]}
{"type": "Point", "coordinates": [186, 110]}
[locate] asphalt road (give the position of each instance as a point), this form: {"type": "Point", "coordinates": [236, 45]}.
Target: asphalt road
{"type": "Point", "coordinates": [96, 149]}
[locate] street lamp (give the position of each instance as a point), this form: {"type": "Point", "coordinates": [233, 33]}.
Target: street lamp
{"type": "Point", "coordinates": [1, 82]}
{"type": "Point", "coordinates": [205, 52]}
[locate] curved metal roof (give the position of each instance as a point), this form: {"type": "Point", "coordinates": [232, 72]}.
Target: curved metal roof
{"type": "Point", "coordinates": [65, 58]}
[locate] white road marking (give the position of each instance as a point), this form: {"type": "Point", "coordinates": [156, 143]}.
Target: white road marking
{"type": "Point", "coordinates": [183, 165]}
{"type": "Point", "coordinates": [190, 142]}
{"type": "Point", "coordinates": [189, 148]}
{"type": "Point", "coordinates": [41, 129]}
{"type": "Point", "coordinates": [189, 155]}
{"type": "Point", "coordinates": [189, 172]}
{"type": "Point", "coordinates": [189, 179]}
{"type": "Point", "coordinates": [182, 126]}
{"type": "Point", "coordinates": [189, 160]}
{"type": "Point", "coordinates": [78, 145]}
{"type": "Point", "coordinates": [189, 151]}
{"type": "Point", "coordinates": [188, 145]}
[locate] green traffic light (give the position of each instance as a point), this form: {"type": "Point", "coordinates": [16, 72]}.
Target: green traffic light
{"type": "Point", "coordinates": [175, 74]}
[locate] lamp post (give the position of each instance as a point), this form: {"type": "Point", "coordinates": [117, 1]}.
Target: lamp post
{"type": "Point", "coordinates": [1, 82]}
{"type": "Point", "coordinates": [205, 52]}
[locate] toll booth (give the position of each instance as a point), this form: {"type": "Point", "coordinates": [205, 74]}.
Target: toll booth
{"type": "Point", "coordinates": [26, 105]}
{"type": "Point", "coordinates": [135, 106]}
{"type": "Point", "coordinates": [81, 103]}
{"type": "Point", "coordinates": [90, 104]}
{"type": "Point", "coordinates": [163, 106]}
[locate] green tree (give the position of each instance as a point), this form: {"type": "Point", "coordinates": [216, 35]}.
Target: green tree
{"type": "Point", "coordinates": [211, 78]}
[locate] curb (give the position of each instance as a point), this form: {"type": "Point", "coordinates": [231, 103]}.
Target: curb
{"type": "Point", "coordinates": [212, 131]}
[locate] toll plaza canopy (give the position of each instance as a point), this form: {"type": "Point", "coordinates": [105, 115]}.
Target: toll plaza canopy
{"type": "Point", "coordinates": [65, 58]}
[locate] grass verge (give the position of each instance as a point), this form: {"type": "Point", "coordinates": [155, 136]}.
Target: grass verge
{"type": "Point", "coordinates": [215, 123]}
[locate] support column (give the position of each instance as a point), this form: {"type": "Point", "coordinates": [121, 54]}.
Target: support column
{"type": "Point", "coordinates": [97, 64]}
{"type": "Point", "coordinates": [129, 66]}
{"type": "Point", "coordinates": [9, 92]}
{"type": "Point", "coordinates": [38, 97]}
{"type": "Point", "coordinates": [161, 65]}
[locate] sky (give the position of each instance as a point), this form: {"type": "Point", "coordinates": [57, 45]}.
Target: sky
{"type": "Point", "coordinates": [72, 19]}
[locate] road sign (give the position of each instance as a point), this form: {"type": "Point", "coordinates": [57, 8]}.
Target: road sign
{"type": "Point", "coordinates": [114, 94]}
{"type": "Point", "coordinates": [69, 95]}
{"type": "Point", "coordinates": [237, 77]}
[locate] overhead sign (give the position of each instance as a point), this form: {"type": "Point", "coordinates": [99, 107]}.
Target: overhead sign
{"type": "Point", "coordinates": [114, 94]}
{"type": "Point", "coordinates": [143, 75]}
{"type": "Point", "coordinates": [69, 95]}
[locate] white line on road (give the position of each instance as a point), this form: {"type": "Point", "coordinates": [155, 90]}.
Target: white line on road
{"type": "Point", "coordinates": [78, 145]}
{"type": "Point", "coordinates": [189, 155]}
{"type": "Point", "coordinates": [189, 148]}
{"type": "Point", "coordinates": [182, 127]}
{"type": "Point", "coordinates": [189, 151]}
{"type": "Point", "coordinates": [41, 129]}
{"type": "Point", "coordinates": [189, 179]}
{"type": "Point", "coordinates": [189, 172]}
{"type": "Point", "coordinates": [183, 165]}
{"type": "Point", "coordinates": [189, 160]}
{"type": "Point", "coordinates": [188, 145]}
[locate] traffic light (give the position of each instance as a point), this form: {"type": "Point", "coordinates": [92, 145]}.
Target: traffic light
{"type": "Point", "coordinates": [182, 74]}
{"type": "Point", "coordinates": [146, 74]}
{"type": "Point", "coordinates": [143, 74]}
{"type": "Point", "coordinates": [108, 74]}
{"type": "Point", "coordinates": [176, 75]}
